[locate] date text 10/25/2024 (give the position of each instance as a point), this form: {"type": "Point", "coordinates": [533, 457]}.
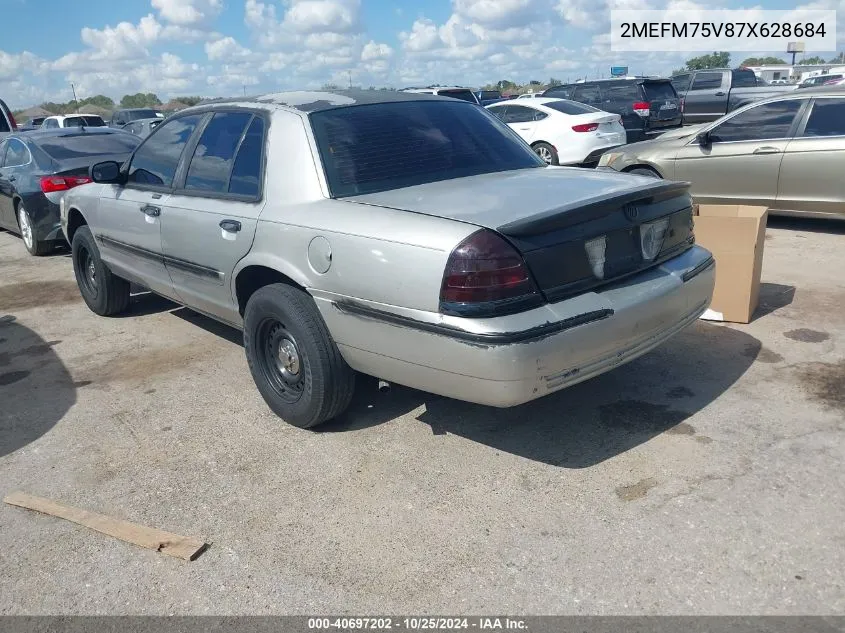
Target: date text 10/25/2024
{"type": "Point", "coordinates": [416, 624]}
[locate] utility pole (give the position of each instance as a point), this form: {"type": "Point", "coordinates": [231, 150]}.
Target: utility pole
{"type": "Point", "coordinates": [244, 89]}
{"type": "Point", "coordinates": [75, 100]}
{"type": "Point", "coordinates": [350, 79]}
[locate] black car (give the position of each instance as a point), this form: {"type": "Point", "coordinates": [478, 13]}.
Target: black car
{"type": "Point", "coordinates": [36, 168]}
{"type": "Point", "coordinates": [648, 106]}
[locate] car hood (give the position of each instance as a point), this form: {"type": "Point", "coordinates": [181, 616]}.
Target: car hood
{"type": "Point", "coordinates": [522, 201]}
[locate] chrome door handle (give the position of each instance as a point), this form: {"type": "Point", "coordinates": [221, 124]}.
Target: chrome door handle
{"type": "Point", "coordinates": [151, 211]}
{"type": "Point", "coordinates": [767, 150]}
{"type": "Point", "coordinates": [232, 226]}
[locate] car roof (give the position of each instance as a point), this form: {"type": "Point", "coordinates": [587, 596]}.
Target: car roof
{"type": "Point", "coordinates": [40, 133]}
{"type": "Point", "coordinates": [308, 101]}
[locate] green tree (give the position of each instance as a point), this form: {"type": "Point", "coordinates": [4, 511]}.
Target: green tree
{"type": "Point", "coordinates": [554, 82]}
{"type": "Point", "coordinates": [811, 61]}
{"type": "Point", "coordinates": [505, 84]}
{"type": "Point", "coordinates": [839, 59]}
{"type": "Point", "coordinates": [762, 61]}
{"type": "Point", "coordinates": [140, 100]}
{"type": "Point", "coordinates": [189, 101]}
{"type": "Point", "coordinates": [330, 86]}
{"type": "Point", "coordinates": [716, 60]}
{"type": "Point", "coordinates": [101, 101]}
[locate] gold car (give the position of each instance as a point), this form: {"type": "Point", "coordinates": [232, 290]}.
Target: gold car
{"type": "Point", "coordinates": [785, 152]}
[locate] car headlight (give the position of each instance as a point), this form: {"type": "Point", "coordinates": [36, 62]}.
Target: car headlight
{"type": "Point", "coordinates": [608, 158]}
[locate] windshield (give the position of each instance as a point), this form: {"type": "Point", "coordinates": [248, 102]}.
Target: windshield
{"type": "Point", "coordinates": [87, 121]}
{"type": "Point", "coordinates": [571, 107]}
{"type": "Point", "coordinates": [134, 115]}
{"type": "Point", "coordinates": [392, 145]}
{"type": "Point", "coordinates": [79, 145]}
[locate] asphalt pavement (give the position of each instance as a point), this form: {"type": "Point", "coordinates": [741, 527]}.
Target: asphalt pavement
{"type": "Point", "coordinates": [707, 477]}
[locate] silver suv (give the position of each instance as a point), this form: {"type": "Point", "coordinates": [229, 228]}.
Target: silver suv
{"type": "Point", "coordinates": [411, 237]}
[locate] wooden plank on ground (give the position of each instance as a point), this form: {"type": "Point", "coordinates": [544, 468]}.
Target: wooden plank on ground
{"type": "Point", "coordinates": [165, 542]}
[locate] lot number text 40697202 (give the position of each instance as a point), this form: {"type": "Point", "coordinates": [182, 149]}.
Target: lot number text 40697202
{"type": "Point", "coordinates": [416, 624]}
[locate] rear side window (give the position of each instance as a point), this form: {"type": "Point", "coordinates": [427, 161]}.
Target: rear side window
{"type": "Point", "coordinates": [625, 91]}
{"type": "Point", "coordinates": [766, 121]}
{"type": "Point", "coordinates": [384, 146]}
{"type": "Point", "coordinates": [156, 160]}
{"type": "Point", "coordinates": [215, 154]}
{"type": "Point", "coordinates": [463, 95]}
{"type": "Point", "coordinates": [707, 81]}
{"type": "Point", "coordinates": [827, 118]}
{"type": "Point", "coordinates": [571, 107]}
{"type": "Point", "coordinates": [659, 91]}
{"type": "Point", "coordinates": [4, 124]}
{"type": "Point", "coordinates": [520, 114]}
{"type": "Point", "coordinates": [17, 153]}
{"type": "Point", "coordinates": [743, 79]}
{"type": "Point", "coordinates": [246, 173]}
{"type": "Point", "coordinates": [587, 94]}
{"type": "Point", "coordinates": [78, 144]}
{"type": "Point", "coordinates": [498, 111]}
{"type": "Point", "coordinates": [87, 121]}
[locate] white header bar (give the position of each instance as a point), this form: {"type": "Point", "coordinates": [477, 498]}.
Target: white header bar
{"type": "Point", "coordinates": [752, 30]}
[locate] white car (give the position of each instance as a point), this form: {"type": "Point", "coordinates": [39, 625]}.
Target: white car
{"type": "Point", "coordinates": [530, 95]}
{"type": "Point", "coordinates": [562, 132]}
{"type": "Point", "coordinates": [73, 120]}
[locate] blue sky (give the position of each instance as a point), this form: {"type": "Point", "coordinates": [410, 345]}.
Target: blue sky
{"type": "Point", "coordinates": [218, 47]}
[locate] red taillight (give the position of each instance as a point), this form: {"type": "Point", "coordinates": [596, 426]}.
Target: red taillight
{"type": "Point", "coordinates": [50, 184]}
{"type": "Point", "coordinates": [643, 108]}
{"type": "Point", "coordinates": [586, 127]}
{"type": "Point", "coordinates": [484, 269]}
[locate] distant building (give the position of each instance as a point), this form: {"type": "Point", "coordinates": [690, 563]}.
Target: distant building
{"type": "Point", "coordinates": [793, 73]}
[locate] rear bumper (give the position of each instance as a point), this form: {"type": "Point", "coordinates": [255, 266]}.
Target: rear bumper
{"type": "Point", "coordinates": [506, 361]}
{"type": "Point", "coordinates": [593, 157]}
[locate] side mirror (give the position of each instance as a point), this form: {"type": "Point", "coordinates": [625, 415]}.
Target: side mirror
{"type": "Point", "coordinates": [704, 139]}
{"type": "Point", "coordinates": [107, 172]}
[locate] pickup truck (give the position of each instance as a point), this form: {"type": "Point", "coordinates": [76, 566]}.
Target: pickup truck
{"type": "Point", "coordinates": [712, 93]}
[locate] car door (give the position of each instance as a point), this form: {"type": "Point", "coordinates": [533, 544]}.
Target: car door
{"type": "Point", "coordinates": [811, 172]}
{"type": "Point", "coordinates": [742, 161]}
{"type": "Point", "coordinates": [523, 121]}
{"type": "Point", "coordinates": [707, 97]}
{"type": "Point", "coordinates": [6, 211]}
{"type": "Point", "coordinates": [209, 221]}
{"type": "Point", "coordinates": [128, 218]}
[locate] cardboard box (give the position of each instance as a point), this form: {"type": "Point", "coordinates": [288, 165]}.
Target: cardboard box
{"type": "Point", "coordinates": [736, 235]}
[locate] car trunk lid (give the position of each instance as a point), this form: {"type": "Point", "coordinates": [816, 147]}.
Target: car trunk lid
{"type": "Point", "coordinates": [553, 229]}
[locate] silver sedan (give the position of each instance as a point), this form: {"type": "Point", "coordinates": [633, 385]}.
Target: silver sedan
{"type": "Point", "coordinates": [410, 237]}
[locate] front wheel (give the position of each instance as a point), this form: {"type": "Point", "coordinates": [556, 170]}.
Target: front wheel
{"type": "Point", "coordinates": [546, 152]}
{"type": "Point", "coordinates": [104, 292]}
{"type": "Point", "coordinates": [293, 359]}
{"type": "Point", "coordinates": [32, 243]}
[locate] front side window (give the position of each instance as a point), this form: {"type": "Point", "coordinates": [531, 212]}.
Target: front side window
{"type": "Point", "coordinates": [500, 112]}
{"type": "Point", "coordinates": [827, 118]}
{"type": "Point", "coordinates": [51, 123]}
{"type": "Point", "coordinates": [215, 153]}
{"type": "Point", "coordinates": [384, 146]}
{"type": "Point", "coordinates": [156, 160]}
{"type": "Point", "coordinates": [766, 121]}
{"type": "Point", "coordinates": [17, 153]}
{"type": "Point", "coordinates": [707, 81]}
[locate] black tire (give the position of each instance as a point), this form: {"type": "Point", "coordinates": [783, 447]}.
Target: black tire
{"type": "Point", "coordinates": [546, 152]}
{"type": "Point", "coordinates": [104, 292]}
{"type": "Point", "coordinates": [33, 245]}
{"type": "Point", "coordinates": [293, 359]}
{"type": "Point", "coordinates": [644, 171]}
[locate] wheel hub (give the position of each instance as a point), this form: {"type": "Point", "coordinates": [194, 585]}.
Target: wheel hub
{"type": "Point", "coordinates": [26, 229]}
{"type": "Point", "coordinates": [288, 358]}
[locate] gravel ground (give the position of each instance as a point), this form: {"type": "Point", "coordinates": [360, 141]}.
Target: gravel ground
{"type": "Point", "coordinates": [707, 477]}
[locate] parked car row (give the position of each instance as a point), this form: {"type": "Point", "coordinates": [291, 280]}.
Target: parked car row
{"type": "Point", "coordinates": [782, 152]}
{"type": "Point", "coordinates": [411, 237]}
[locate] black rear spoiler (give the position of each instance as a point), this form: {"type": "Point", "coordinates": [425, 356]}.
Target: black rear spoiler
{"type": "Point", "coordinates": [594, 208]}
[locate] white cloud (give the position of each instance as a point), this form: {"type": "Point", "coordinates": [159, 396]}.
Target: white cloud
{"type": "Point", "coordinates": [188, 12]}
{"type": "Point", "coordinates": [226, 48]}
{"type": "Point", "coordinates": [373, 50]}
{"type": "Point", "coordinates": [313, 16]}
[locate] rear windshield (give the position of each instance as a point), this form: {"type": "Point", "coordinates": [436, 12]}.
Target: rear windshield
{"type": "Point", "coordinates": [384, 146]}
{"type": "Point", "coordinates": [571, 107]}
{"type": "Point", "coordinates": [659, 90]}
{"type": "Point", "coordinates": [81, 145]}
{"type": "Point", "coordinates": [463, 95]}
{"type": "Point", "coordinates": [87, 121]}
{"type": "Point", "coordinates": [625, 91]}
{"type": "Point", "coordinates": [490, 94]}
{"type": "Point", "coordinates": [134, 115]}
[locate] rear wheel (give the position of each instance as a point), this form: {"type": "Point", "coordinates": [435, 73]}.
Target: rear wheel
{"type": "Point", "coordinates": [293, 358]}
{"type": "Point", "coordinates": [104, 292]}
{"type": "Point", "coordinates": [32, 243]}
{"type": "Point", "coordinates": [546, 152]}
